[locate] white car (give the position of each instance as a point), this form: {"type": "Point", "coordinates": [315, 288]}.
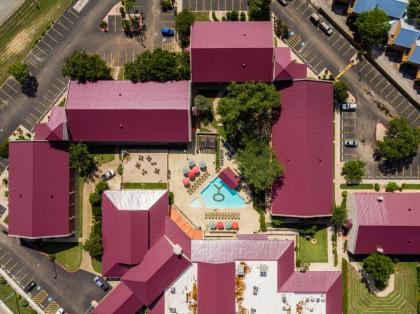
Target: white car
{"type": "Point", "coordinates": [350, 143]}
{"type": "Point", "coordinates": [326, 28]}
{"type": "Point", "coordinates": [350, 106]}
{"type": "Point", "coordinates": [60, 311]}
{"type": "Point", "coordinates": [108, 175]}
{"type": "Point", "coordinates": [282, 2]}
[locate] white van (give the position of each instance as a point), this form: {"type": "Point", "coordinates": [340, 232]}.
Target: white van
{"type": "Point", "coordinates": [326, 28]}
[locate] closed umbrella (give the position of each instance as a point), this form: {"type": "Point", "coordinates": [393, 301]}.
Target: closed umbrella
{"type": "Point", "coordinates": [185, 170]}
{"type": "Point", "coordinates": [203, 165]}
{"type": "Point", "coordinates": [235, 226]}
{"type": "Point", "coordinates": [220, 225]}
{"type": "Point", "coordinates": [195, 169]}
{"type": "Point", "coordinates": [212, 225]}
{"type": "Point", "coordinates": [191, 163]}
{"type": "Point", "coordinates": [228, 225]}
{"type": "Point", "coordinates": [191, 175]}
{"type": "Point", "coordinates": [186, 181]}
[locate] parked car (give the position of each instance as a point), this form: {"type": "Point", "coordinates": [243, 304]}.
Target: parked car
{"type": "Point", "coordinates": [30, 286]}
{"type": "Point", "coordinates": [349, 106]}
{"type": "Point", "coordinates": [101, 283]}
{"type": "Point", "coordinates": [168, 32]}
{"type": "Point", "coordinates": [60, 311]}
{"type": "Point", "coordinates": [315, 18]}
{"type": "Point", "coordinates": [108, 175]}
{"type": "Point", "coordinates": [326, 28]}
{"type": "Point", "coordinates": [350, 143]}
{"type": "Point", "coordinates": [282, 2]}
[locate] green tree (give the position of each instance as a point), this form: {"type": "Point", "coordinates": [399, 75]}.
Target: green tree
{"type": "Point", "coordinates": [83, 67]}
{"type": "Point", "coordinates": [183, 23]}
{"type": "Point", "coordinates": [232, 16]}
{"type": "Point", "coordinates": [413, 10]}
{"type": "Point", "coordinates": [242, 17]}
{"type": "Point", "coordinates": [246, 111]}
{"type": "Point", "coordinates": [128, 5]}
{"type": "Point", "coordinates": [101, 187]}
{"type": "Point", "coordinates": [380, 267]}
{"type": "Point", "coordinates": [94, 245]}
{"type": "Point", "coordinates": [400, 142]}
{"type": "Point", "coordinates": [202, 104]}
{"type": "Point", "coordinates": [339, 216]}
{"type": "Point", "coordinates": [372, 28]}
{"type": "Point", "coordinates": [81, 159]}
{"type": "Point", "coordinates": [258, 165]}
{"type": "Point", "coordinates": [159, 66]}
{"type": "Point", "coordinates": [391, 187]}
{"type": "Point", "coordinates": [4, 149]}
{"type": "Point", "coordinates": [259, 10]}
{"type": "Point", "coordinates": [20, 72]}
{"type": "Point", "coordinates": [95, 199]}
{"type": "Point", "coordinates": [341, 91]}
{"type": "Point", "coordinates": [353, 171]}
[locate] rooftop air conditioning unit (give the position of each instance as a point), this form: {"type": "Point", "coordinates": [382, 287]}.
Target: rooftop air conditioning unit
{"type": "Point", "coordinates": [173, 290]}
{"type": "Point", "coordinates": [192, 302]}
{"type": "Point", "coordinates": [380, 198]}
{"type": "Point", "coordinates": [254, 290]}
{"type": "Point", "coordinates": [172, 310]}
{"type": "Point", "coordinates": [240, 270]}
{"type": "Point", "coordinates": [263, 270]}
{"type": "Point", "coordinates": [177, 250]}
{"type": "Point", "coordinates": [253, 311]}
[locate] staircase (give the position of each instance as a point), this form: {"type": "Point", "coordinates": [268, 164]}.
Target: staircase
{"type": "Point", "coordinates": [189, 230]}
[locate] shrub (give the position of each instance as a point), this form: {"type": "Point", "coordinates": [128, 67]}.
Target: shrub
{"type": "Point", "coordinates": [4, 149]}
{"type": "Point", "coordinates": [377, 187]}
{"type": "Point", "coordinates": [242, 17]}
{"type": "Point", "coordinates": [213, 15]}
{"type": "Point", "coordinates": [122, 11]}
{"type": "Point", "coordinates": [344, 193]}
{"type": "Point", "coordinates": [95, 199]}
{"type": "Point", "coordinates": [341, 91]}
{"type": "Point", "coordinates": [97, 212]}
{"type": "Point", "coordinates": [171, 198]}
{"type": "Point", "coordinates": [166, 5]}
{"type": "Point", "coordinates": [2, 280]}
{"type": "Point", "coordinates": [418, 275]}
{"type": "Point", "coordinates": [391, 187]}
{"type": "Point", "coordinates": [418, 307]}
{"type": "Point", "coordinates": [120, 169]}
{"type": "Point", "coordinates": [263, 226]}
{"type": "Point", "coordinates": [101, 187]}
{"type": "Point", "coordinates": [23, 302]}
{"type": "Point", "coordinates": [103, 25]}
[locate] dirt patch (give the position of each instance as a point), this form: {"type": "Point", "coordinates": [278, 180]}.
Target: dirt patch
{"type": "Point", "coordinates": [20, 42]}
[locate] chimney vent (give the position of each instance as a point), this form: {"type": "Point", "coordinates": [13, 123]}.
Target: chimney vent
{"type": "Point", "coordinates": [380, 199]}
{"type": "Point", "coordinates": [177, 250]}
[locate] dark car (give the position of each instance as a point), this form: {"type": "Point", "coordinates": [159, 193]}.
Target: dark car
{"type": "Point", "coordinates": [30, 286]}
{"type": "Point", "coordinates": [168, 32]}
{"type": "Point", "coordinates": [101, 283]}
{"type": "Point", "coordinates": [108, 175]}
{"type": "Point", "coordinates": [282, 2]}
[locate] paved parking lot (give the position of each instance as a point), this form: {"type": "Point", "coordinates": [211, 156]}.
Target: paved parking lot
{"type": "Point", "coordinates": [215, 5]}
{"type": "Point", "coordinates": [347, 132]}
{"type": "Point", "coordinates": [22, 277]}
{"type": "Point", "coordinates": [3, 164]}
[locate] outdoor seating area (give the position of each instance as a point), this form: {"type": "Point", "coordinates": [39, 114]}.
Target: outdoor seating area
{"type": "Point", "coordinates": [145, 166]}
{"type": "Point", "coordinates": [222, 215]}
{"type": "Point", "coordinates": [220, 225]}
{"type": "Point", "coordinates": [194, 176]}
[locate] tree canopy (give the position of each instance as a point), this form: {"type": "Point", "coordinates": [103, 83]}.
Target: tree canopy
{"type": "Point", "coordinates": [20, 72]}
{"type": "Point", "coordinates": [81, 159]}
{"type": "Point", "coordinates": [353, 170]}
{"type": "Point", "coordinates": [85, 68]}
{"type": "Point", "coordinates": [183, 23]}
{"type": "Point", "coordinates": [158, 65]}
{"type": "Point", "coordinates": [401, 141]}
{"type": "Point", "coordinates": [259, 10]}
{"type": "Point", "coordinates": [380, 267]}
{"type": "Point", "coordinates": [202, 104]}
{"type": "Point", "coordinates": [341, 91]}
{"type": "Point", "coordinates": [372, 27]}
{"type": "Point", "coordinates": [413, 10]}
{"type": "Point", "coordinates": [246, 111]}
{"type": "Point", "coordinates": [339, 216]}
{"type": "Point", "coordinates": [259, 166]}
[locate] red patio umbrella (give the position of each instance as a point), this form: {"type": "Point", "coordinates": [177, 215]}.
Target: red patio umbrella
{"type": "Point", "coordinates": [186, 181]}
{"type": "Point", "coordinates": [235, 225]}
{"type": "Point", "coordinates": [195, 169]}
{"type": "Point", "coordinates": [191, 175]}
{"type": "Point", "coordinates": [220, 225]}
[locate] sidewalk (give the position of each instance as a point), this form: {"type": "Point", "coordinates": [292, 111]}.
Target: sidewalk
{"type": "Point", "coordinates": [389, 67]}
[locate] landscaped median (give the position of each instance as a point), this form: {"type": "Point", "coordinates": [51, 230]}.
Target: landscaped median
{"type": "Point", "coordinates": [68, 255]}
{"type": "Point", "coordinates": [12, 300]}
{"type": "Point", "coordinates": [143, 186]}
{"type": "Point", "coordinates": [313, 249]}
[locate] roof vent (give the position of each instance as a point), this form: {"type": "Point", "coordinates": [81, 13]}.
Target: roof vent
{"type": "Point", "coordinates": [244, 34]}
{"type": "Point", "coordinates": [409, 209]}
{"type": "Point", "coordinates": [51, 196]}
{"type": "Point", "coordinates": [380, 250]}
{"type": "Point", "coordinates": [177, 250]}
{"type": "Point", "coordinates": [409, 240]}
{"type": "Point", "coordinates": [121, 126]}
{"type": "Point", "coordinates": [380, 198]}
{"type": "Point", "coordinates": [119, 94]}
{"type": "Point", "coordinates": [172, 310]}
{"type": "Point", "coordinates": [244, 65]}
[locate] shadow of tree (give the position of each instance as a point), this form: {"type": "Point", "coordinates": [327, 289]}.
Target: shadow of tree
{"type": "Point", "coordinates": [30, 87]}
{"type": "Point", "coordinates": [392, 166]}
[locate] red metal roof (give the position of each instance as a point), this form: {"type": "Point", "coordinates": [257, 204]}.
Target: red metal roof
{"type": "Point", "coordinates": [230, 178]}
{"type": "Point", "coordinates": [302, 139]}
{"type": "Point", "coordinates": [177, 236]}
{"type": "Point", "coordinates": [159, 268]}
{"type": "Point", "coordinates": [392, 224]}
{"type": "Point", "coordinates": [120, 300]}
{"type": "Point", "coordinates": [120, 111]}
{"type": "Point", "coordinates": [285, 68]}
{"type": "Point", "coordinates": [56, 127]}
{"type": "Point", "coordinates": [216, 288]}
{"type": "Point", "coordinates": [39, 185]}
{"type": "Point", "coordinates": [232, 51]}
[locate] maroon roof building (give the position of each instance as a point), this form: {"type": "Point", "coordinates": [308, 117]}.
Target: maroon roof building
{"type": "Point", "coordinates": [384, 222]}
{"type": "Point", "coordinates": [56, 127]}
{"type": "Point", "coordinates": [133, 220]}
{"type": "Point", "coordinates": [41, 190]}
{"type": "Point", "coordinates": [229, 177]}
{"type": "Point", "coordinates": [302, 139]}
{"type": "Point", "coordinates": [123, 112]}
{"type": "Point", "coordinates": [231, 52]}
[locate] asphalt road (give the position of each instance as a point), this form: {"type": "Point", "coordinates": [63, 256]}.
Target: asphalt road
{"type": "Point", "coordinates": [72, 31]}
{"type": "Point", "coordinates": [72, 291]}
{"type": "Point", "coordinates": [369, 87]}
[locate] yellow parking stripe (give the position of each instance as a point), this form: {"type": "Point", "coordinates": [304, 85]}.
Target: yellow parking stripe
{"type": "Point", "coordinates": [40, 296]}
{"type": "Point", "coordinates": [51, 308]}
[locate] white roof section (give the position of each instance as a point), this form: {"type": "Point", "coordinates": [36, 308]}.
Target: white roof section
{"type": "Point", "coordinates": [176, 296]}
{"type": "Point", "coordinates": [134, 199]}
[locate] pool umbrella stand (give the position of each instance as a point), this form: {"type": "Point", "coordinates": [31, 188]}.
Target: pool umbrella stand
{"type": "Point", "coordinates": [191, 175]}
{"type": "Point", "coordinates": [235, 226]}
{"type": "Point", "coordinates": [203, 165]}
{"type": "Point", "coordinates": [186, 181]}
{"type": "Point", "coordinates": [185, 170]}
{"type": "Point", "coordinates": [191, 163]}
{"type": "Point", "coordinates": [212, 225]}
{"type": "Point", "coordinates": [220, 225]}
{"type": "Point", "coordinates": [195, 169]}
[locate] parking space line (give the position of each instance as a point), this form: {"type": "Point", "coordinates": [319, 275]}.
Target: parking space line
{"type": "Point", "coordinates": [4, 92]}
{"type": "Point", "coordinates": [380, 81]}
{"type": "Point", "coordinates": [64, 83]}
{"type": "Point", "coordinates": [56, 96]}
{"type": "Point", "coordinates": [47, 34]}
{"type": "Point", "coordinates": [59, 22]}
{"type": "Point", "coordinates": [59, 34]}
{"type": "Point", "coordinates": [55, 86]}
{"type": "Point", "coordinates": [395, 98]}
{"type": "Point", "coordinates": [8, 261]}
{"type": "Point", "coordinates": [67, 19]}
{"type": "Point", "coordinates": [402, 111]}
{"type": "Point", "coordinates": [33, 64]}
{"type": "Point", "coordinates": [411, 113]}
{"type": "Point", "coordinates": [33, 116]}
{"type": "Point", "coordinates": [44, 42]}
{"type": "Point", "coordinates": [51, 101]}
{"type": "Point", "coordinates": [43, 105]}
{"type": "Point", "coordinates": [399, 104]}
{"type": "Point", "coordinates": [37, 46]}
{"type": "Point", "coordinates": [10, 269]}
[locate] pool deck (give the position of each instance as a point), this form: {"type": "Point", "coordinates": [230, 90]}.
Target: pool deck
{"type": "Point", "coordinates": [249, 218]}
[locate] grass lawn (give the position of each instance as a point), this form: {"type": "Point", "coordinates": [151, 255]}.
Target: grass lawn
{"type": "Point", "coordinates": [6, 292]}
{"type": "Point", "coordinates": [68, 255]}
{"type": "Point", "coordinates": [97, 265]}
{"type": "Point", "coordinates": [103, 154]}
{"type": "Point", "coordinates": [314, 253]}
{"type": "Point", "coordinates": [411, 186]}
{"type": "Point", "coordinates": [202, 16]}
{"type": "Point", "coordinates": [81, 181]}
{"type": "Point", "coordinates": [138, 185]}
{"type": "Point", "coordinates": [19, 33]}
{"type": "Point", "coordinates": [402, 300]}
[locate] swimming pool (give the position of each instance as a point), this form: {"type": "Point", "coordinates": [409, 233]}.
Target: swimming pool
{"type": "Point", "coordinates": [218, 195]}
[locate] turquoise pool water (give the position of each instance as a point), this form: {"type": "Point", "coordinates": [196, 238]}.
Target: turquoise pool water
{"type": "Point", "coordinates": [218, 195]}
